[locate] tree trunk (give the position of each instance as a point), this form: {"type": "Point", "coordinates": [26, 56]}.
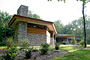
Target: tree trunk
{"type": "Point", "coordinates": [84, 25]}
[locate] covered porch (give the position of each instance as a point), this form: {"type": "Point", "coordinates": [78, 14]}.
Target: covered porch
{"type": "Point", "coordinates": [66, 39]}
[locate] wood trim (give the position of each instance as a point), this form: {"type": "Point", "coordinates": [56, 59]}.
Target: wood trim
{"type": "Point", "coordinates": [67, 36]}
{"type": "Point", "coordinates": [36, 31]}
{"type": "Point", "coordinates": [11, 21]}
{"type": "Point", "coordinates": [54, 28]}
{"type": "Point", "coordinates": [28, 19]}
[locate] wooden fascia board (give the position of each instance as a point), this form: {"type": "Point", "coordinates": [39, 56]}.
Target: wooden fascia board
{"type": "Point", "coordinates": [27, 19]}
{"type": "Point", "coordinates": [11, 21]}
{"type": "Point", "coordinates": [68, 36]}
{"type": "Point", "coordinates": [54, 28]}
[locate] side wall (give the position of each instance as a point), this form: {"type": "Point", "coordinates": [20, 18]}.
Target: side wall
{"type": "Point", "coordinates": [20, 31]}
{"type": "Point", "coordinates": [21, 34]}
{"type": "Point", "coordinates": [36, 39]}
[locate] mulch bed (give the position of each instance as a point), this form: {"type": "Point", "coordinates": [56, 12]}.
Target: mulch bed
{"type": "Point", "coordinates": [37, 56]}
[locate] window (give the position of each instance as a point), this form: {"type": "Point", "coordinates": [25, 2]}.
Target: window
{"type": "Point", "coordinates": [36, 26]}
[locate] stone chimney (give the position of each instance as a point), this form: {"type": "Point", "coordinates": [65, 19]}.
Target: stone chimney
{"type": "Point", "coordinates": [22, 10]}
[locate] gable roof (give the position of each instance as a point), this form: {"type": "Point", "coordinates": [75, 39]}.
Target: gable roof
{"type": "Point", "coordinates": [17, 18]}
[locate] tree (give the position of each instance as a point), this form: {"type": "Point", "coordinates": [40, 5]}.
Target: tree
{"type": "Point", "coordinates": [83, 6]}
{"type": "Point", "coordinates": [59, 26]}
{"type": "Point", "coordinates": [4, 20]}
{"type": "Point", "coordinates": [31, 15]}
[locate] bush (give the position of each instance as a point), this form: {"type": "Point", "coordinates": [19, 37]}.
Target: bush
{"type": "Point", "coordinates": [57, 45]}
{"type": "Point", "coordinates": [10, 43]}
{"type": "Point", "coordinates": [28, 53]}
{"type": "Point", "coordinates": [44, 48]}
{"type": "Point", "coordinates": [73, 40]}
{"type": "Point", "coordinates": [82, 42]}
{"type": "Point", "coordinates": [10, 54]}
{"type": "Point", "coordinates": [25, 44]}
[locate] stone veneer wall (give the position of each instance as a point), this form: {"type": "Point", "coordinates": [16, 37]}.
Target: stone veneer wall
{"type": "Point", "coordinates": [21, 34]}
{"type": "Point", "coordinates": [36, 39]}
{"type": "Point", "coordinates": [20, 31]}
{"type": "Point", "coordinates": [16, 32]}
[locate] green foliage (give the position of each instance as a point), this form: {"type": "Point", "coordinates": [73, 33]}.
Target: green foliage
{"type": "Point", "coordinates": [1, 34]}
{"type": "Point", "coordinates": [10, 54]}
{"type": "Point", "coordinates": [28, 54]}
{"type": "Point", "coordinates": [25, 44]}
{"type": "Point", "coordinates": [59, 26]}
{"type": "Point", "coordinates": [82, 42]}
{"type": "Point", "coordinates": [4, 20]}
{"type": "Point", "coordinates": [44, 48]}
{"type": "Point", "coordinates": [31, 15]}
{"type": "Point", "coordinates": [57, 45]}
{"type": "Point", "coordinates": [10, 43]}
{"type": "Point", "coordinates": [73, 40]}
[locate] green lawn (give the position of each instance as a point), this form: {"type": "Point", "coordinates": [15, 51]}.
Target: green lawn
{"type": "Point", "coordinates": [74, 53]}
{"type": "Point", "coordinates": [3, 47]}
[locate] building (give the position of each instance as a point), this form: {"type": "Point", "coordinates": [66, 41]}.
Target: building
{"type": "Point", "coordinates": [35, 30]}
{"type": "Point", "coordinates": [66, 38]}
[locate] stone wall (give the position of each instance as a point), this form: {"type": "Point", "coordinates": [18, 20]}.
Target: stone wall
{"type": "Point", "coordinates": [36, 39]}
{"type": "Point", "coordinates": [22, 10]}
{"type": "Point", "coordinates": [20, 31]}
{"type": "Point", "coordinates": [16, 32]}
{"type": "Point", "coordinates": [21, 34]}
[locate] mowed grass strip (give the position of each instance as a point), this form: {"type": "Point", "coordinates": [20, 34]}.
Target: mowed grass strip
{"type": "Point", "coordinates": [74, 53]}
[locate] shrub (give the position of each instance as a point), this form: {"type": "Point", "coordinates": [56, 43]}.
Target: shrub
{"type": "Point", "coordinates": [25, 44]}
{"type": "Point", "coordinates": [28, 53]}
{"type": "Point", "coordinates": [57, 45]}
{"type": "Point", "coordinates": [82, 42]}
{"type": "Point", "coordinates": [10, 43]}
{"type": "Point", "coordinates": [44, 48]}
{"type": "Point", "coordinates": [73, 40]}
{"type": "Point", "coordinates": [10, 54]}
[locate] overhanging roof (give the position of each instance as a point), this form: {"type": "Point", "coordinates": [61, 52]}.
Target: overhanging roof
{"type": "Point", "coordinates": [17, 18]}
{"type": "Point", "coordinates": [66, 35]}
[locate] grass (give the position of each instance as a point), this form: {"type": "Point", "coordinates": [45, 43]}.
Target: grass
{"type": "Point", "coordinates": [3, 47]}
{"type": "Point", "coordinates": [74, 53]}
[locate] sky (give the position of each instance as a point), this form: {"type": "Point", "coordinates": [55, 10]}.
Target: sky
{"type": "Point", "coordinates": [48, 10]}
